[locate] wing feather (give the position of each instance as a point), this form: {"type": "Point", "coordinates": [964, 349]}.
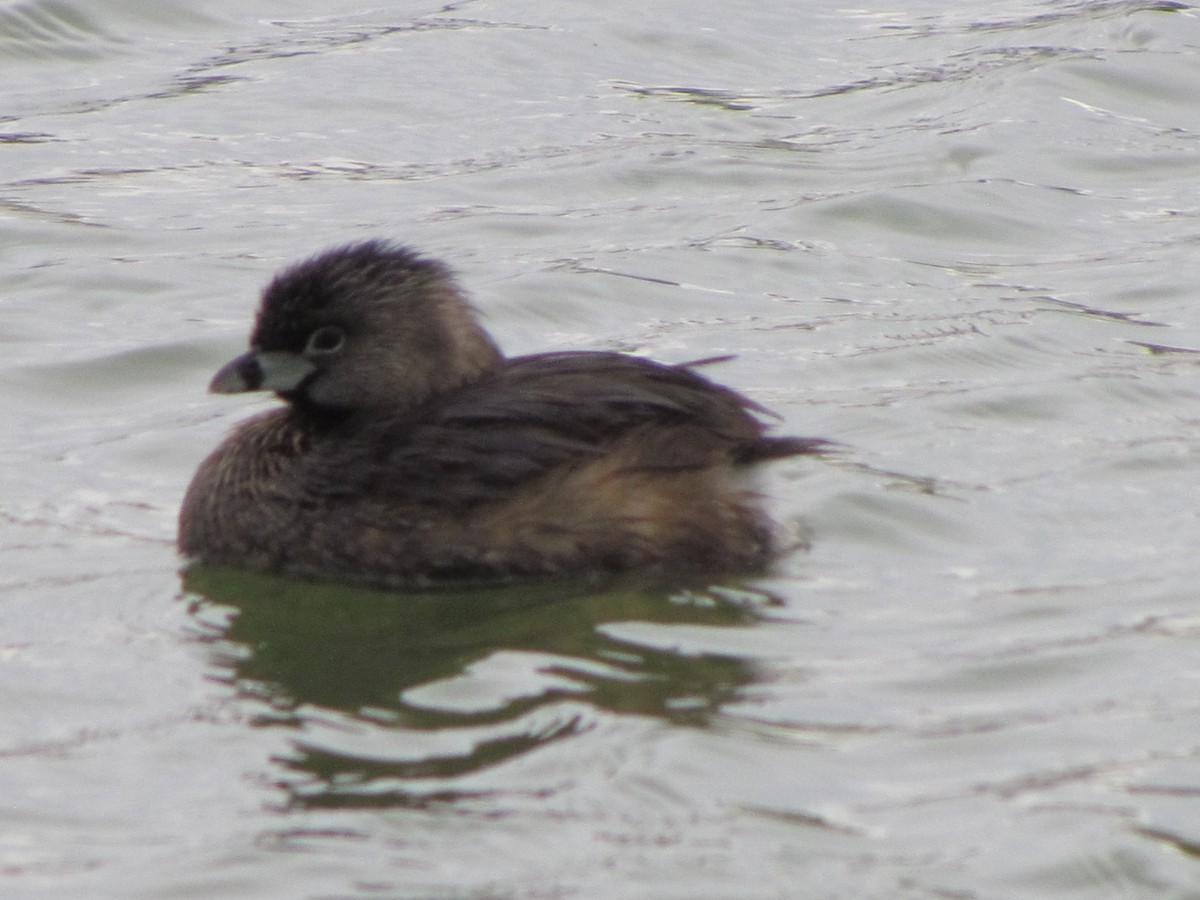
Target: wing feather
{"type": "Point", "coordinates": [545, 412]}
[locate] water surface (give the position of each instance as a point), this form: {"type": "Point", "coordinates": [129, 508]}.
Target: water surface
{"type": "Point", "coordinates": [962, 242]}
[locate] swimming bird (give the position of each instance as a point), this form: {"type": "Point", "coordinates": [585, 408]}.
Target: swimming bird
{"type": "Point", "coordinates": [410, 452]}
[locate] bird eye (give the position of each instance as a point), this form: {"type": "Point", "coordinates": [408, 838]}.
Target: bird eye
{"type": "Point", "coordinates": [327, 339]}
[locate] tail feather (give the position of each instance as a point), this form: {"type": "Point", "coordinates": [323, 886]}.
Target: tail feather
{"type": "Point", "coordinates": [768, 448]}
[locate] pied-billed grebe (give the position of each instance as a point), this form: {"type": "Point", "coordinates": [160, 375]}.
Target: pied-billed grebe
{"type": "Point", "coordinates": [411, 452]}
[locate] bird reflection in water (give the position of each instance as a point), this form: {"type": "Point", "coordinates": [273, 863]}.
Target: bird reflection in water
{"type": "Point", "coordinates": [405, 699]}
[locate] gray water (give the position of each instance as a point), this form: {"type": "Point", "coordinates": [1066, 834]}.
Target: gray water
{"type": "Point", "coordinates": [960, 239]}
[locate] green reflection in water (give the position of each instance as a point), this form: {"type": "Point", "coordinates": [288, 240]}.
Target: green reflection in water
{"type": "Point", "coordinates": [396, 695]}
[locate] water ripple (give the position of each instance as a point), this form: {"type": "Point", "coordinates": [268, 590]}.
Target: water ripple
{"type": "Point", "coordinates": [50, 29]}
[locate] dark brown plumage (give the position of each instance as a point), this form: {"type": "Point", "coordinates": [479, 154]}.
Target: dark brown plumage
{"type": "Point", "coordinates": [411, 452]}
